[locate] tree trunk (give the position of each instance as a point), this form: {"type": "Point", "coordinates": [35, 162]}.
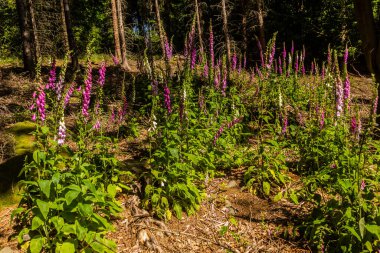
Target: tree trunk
{"type": "Point", "coordinates": [64, 28]}
{"type": "Point", "coordinates": [199, 28]}
{"type": "Point", "coordinates": [34, 28]}
{"type": "Point", "coordinates": [225, 30]}
{"type": "Point", "coordinates": [124, 61]}
{"type": "Point", "coordinates": [260, 17]}
{"type": "Point", "coordinates": [27, 43]}
{"type": "Point", "coordinates": [70, 35]}
{"type": "Point", "coordinates": [115, 30]}
{"type": "Point", "coordinates": [370, 42]}
{"type": "Point", "coordinates": [160, 29]}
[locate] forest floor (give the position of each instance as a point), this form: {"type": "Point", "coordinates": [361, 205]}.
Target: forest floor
{"type": "Point", "coordinates": [230, 219]}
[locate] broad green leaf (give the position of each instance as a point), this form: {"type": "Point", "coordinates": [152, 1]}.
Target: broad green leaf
{"type": "Point", "coordinates": [36, 244]}
{"type": "Point", "coordinates": [67, 247]}
{"type": "Point", "coordinates": [43, 207]}
{"type": "Point", "coordinates": [373, 229]}
{"type": "Point", "coordinates": [36, 222]}
{"type": "Point", "coordinates": [70, 196]}
{"type": "Point", "coordinates": [45, 187]}
{"type": "Point", "coordinates": [368, 246]}
{"type": "Point", "coordinates": [80, 231]}
{"type": "Point", "coordinates": [112, 190]}
{"type": "Point", "coordinates": [278, 197]}
{"type": "Point", "coordinates": [85, 209]}
{"type": "Point", "coordinates": [266, 188]}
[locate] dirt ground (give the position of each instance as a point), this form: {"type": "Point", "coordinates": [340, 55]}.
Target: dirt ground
{"type": "Point", "coordinates": [229, 220]}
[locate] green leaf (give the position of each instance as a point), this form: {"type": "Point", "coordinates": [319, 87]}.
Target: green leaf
{"type": "Point", "coordinates": [294, 197]}
{"type": "Point", "coordinates": [67, 247]}
{"type": "Point", "coordinates": [278, 197]}
{"type": "Point", "coordinates": [36, 222]}
{"type": "Point", "coordinates": [362, 227]}
{"type": "Point", "coordinates": [85, 209]}
{"type": "Point", "coordinates": [178, 210]}
{"type": "Point", "coordinates": [35, 157]}
{"type": "Point", "coordinates": [80, 231]}
{"type": "Point", "coordinates": [266, 187]}
{"type": "Point", "coordinates": [369, 246]}
{"type": "Point", "coordinates": [373, 229]}
{"type": "Point", "coordinates": [45, 187]}
{"type": "Point", "coordinates": [112, 190]}
{"type": "Point", "coordinates": [353, 232]}
{"type": "Point", "coordinates": [43, 207]}
{"type": "Point", "coordinates": [36, 244]}
{"type": "Point", "coordinates": [70, 196]}
{"type": "Point", "coordinates": [174, 152]}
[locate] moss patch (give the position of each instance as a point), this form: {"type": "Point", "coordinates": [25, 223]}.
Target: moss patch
{"type": "Point", "coordinates": [22, 133]}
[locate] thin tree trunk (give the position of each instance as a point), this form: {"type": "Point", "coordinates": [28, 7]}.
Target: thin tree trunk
{"type": "Point", "coordinates": [70, 35]}
{"type": "Point", "coordinates": [124, 61]}
{"type": "Point", "coordinates": [370, 43]}
{"type": "Point", "coordinates": [27, 44]}
{"type": "Point", "coordinates": [245, 39]}
{"type": "Point", "coordinates": [199, 28]}
{"type": "Point", "coordinates": [64, 28]}
{"type": "Point", "coordinates": [225, 30]}
{"type": "Point", "coordinates": [115, 30]}
{"type": "Point", "coordinates": [260, 17]}
{"type": "Point", "coordinates": [160, 29]}
{"type": "Point", "coordinates": [34, 27]}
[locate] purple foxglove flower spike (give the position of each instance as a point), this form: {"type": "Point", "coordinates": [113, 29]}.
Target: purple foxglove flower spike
{"type": "Point", "coordinates": [322, 120]}
{"type": "Point", "coordinates": [61, 132]}
{"type": "Point", "coordinates": [193, 58]}
{"type": "Point", "coordinates": [102, 74]}
{"type": "Point", "coordinates": [87, 92]}
{"type": "Point", "coordinates": [96, 127]}
{"type": "Point", "coordinates": [339, 97]}
{"type": "Point", "coordinates": [41, 100]}
{"type": "Point", "coordinates": [362, 185]}
{"type": "Point", "coordinates": [284, 125]}
{"type": "Point", "coordinates": [167, 99]}
{"type": "Point", "coordinates": [347, 88]}
{"type": "Point", "coordinates": [224, 86]}
{"type": "Point", "coordinates": [212, 57]}
{"type": "Point", "coordinates": [205, 71]}
{"type": "Point", "coordinates": [68, 95]}
{"type": "Point", "coordinates": [234, 61]}
{"type": "Point", "coordinates": [52, 76]}
{"type": "Point", "coordinates": [279, 65]}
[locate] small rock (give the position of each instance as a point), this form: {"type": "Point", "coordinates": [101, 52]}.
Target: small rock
{"type": "Point", "coordinates": [233, 184]}
{"type": "Point", "coordinates": [26, 237]}
{"type": "Point", "coordinates": [6, 250]}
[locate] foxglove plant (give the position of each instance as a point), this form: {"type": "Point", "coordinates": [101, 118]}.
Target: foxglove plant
{"type": "Point", "coordinates": [193, 58]}
{"type": "Point", "coordinates": [167, 99]}
{"type": "Point", "coordinates": [87, 92]}
{"type": "Point", "coordinates": [69, 93]}
{"type": "Point", "coordinates": [212, 56]}
{"type": "Point", "coordinates": [61, 132]}
{"type": "Point", "coordinates": [339, 97]}
{"type": "Point", "coordinates": [234, 61]}
{"type": "Point", "coordinates": [41, 101]}
{"type": "Point", "coordinates": [102, 74]}
{"type": "Point", "coordinates": [52, 76]}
